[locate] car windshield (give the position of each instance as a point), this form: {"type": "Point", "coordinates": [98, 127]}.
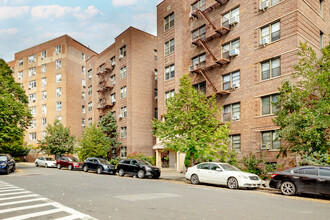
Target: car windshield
{"type": "Point", "coordinates": [49, 158]}
{"type": "Point", "coordinates": [228, 167]}
{"type": "Point", "coordinates": [3, 158]}
{"type": "Point", "coordinates": [104, 161]}
{"type": "Point", "coordinates": [143, 162]}
{"type": "Point", "coordinates": [74, 159]}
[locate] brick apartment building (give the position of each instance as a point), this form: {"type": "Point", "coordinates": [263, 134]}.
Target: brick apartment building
{"type": "Point", "coordinates": [52, 74]}
{"type": "Point", "coordinates": [241, 51]}
{"type": "Point", "coordinates": [122, 79]}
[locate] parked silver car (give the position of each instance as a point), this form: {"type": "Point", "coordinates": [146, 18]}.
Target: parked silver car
{"type": "Point", "coordinates": [45, 162]}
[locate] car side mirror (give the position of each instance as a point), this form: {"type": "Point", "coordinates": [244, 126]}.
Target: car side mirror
{"type": "Point", "coordinates": [218, 169]}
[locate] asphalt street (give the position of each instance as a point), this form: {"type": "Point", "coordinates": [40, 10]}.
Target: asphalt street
{"type": "Point", "coordinates": [80, 195]}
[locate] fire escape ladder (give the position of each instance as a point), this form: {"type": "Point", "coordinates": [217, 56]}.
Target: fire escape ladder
{"type": "Point", "coordinates": [204, 15]}
{"type": "Point", "coordinates": [206, 47]}
{"type": "Point", "coordinates": [204, 74]}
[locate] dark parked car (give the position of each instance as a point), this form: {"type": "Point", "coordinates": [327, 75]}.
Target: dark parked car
{"type": "Point", "coordinates": [71, 163]}
{"type": "Point", "coordinates": [140, 168]}
{"type": "Point", "coordinates": [99, 165]}
{"type": "Point", "coordinates": [7, 163]}
{"type": "Point", "coordinates": [305, 179]}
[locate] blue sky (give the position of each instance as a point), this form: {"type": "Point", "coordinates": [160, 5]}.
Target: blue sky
{"type": "Point", "coordinates": [94, 23]}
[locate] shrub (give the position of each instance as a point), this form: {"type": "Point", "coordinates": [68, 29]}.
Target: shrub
{"type": "Point", "coordinates": [315, 158]}
{"type": "Point", "coordinates": [115, 160]}
{"type": "Point", "coordinates": [150, 159]}
{"type": "Point", "coordinates": [251, 162]}
{"type": "Point", "coordinates": [17, 159]}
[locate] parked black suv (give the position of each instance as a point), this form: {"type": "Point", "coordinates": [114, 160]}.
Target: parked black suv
{"type": "Point", "coordinates": [7, 163]}
{"type": "Point", "coordinates": [99, 165]}
{"type": "Point", "coordinates": [140, 168]}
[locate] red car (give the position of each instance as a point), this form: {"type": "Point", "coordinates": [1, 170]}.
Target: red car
{"type": "Point", "coordinates": [70, 163]}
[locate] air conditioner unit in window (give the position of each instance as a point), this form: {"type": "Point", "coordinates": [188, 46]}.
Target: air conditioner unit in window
{"type": "Point", "coordinates": [235, 85]}
{"type": "Point", "coordinates": [234, 20]}
{"type": "Point", "coordinates": [33, 100]}
{"type": "Point", "coordinates": [113, 63]}
{"type": "Point", "coordinates": [121, 116]}
{"type": "Point", "coordinates": [121, 56]}
{"type": "Point", "coordinates": [113, 83]}
{"type": "Point", "coordinates": [191, 15]}
{"type": "Point", "coordinates": [193, 67]}
{"type": "Point", "coordinates": [236, 117]}
{"type": "Point", "coordinates": [234, 52]}
{"type": "Point", "coordinates": [114, 101]}
{"type": "Point", "coordinates": [264, 41]}
{"type": "Point", "coordinates": [29, 87]}
{"type": "Point", "coordinates": [264, 5]}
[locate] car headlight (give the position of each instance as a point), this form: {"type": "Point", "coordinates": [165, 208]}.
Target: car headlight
{"type": "Point", "coordinates": [3, 163]}
{"type": "Point", "coordinates": [148, 169]}
{"type": "Point", "coordinates": [105, 166]}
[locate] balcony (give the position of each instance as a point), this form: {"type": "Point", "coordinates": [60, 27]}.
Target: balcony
{"type": "Point", "coordinates": [104, 105]}
{"type": "Point", "coordinates": [208, 7]}
{"type": "Point", "coordinates": [104, 86]}
{"type": "Point", "coordinates": [104, 70]}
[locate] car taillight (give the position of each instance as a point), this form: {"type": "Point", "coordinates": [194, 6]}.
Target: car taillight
{"type": "Point", "coordinates": [273, 175]}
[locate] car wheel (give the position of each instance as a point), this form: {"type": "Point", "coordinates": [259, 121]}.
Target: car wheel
{"type": "Point", "coordinates": [7, 171]}
{"type": "Point", "coordinates": [99, 170]}
{"type": "Point", "coordinates": [288, 188]}
{"type": "Point", "coordinates": [70, 167]}
{"type": "Point", "coordinates": [13, 169]}
{"type": "Point", "coordinates": [194, 179]}
{"type": "Point", "coordinates": [121, 172]}
{"type": "Point", "coordinates": [46, 165]}
{"type": "Point", "coordinates": [85, 168]}
{"type": "Point", "coordinates": [58, 166]}
{"type": "Point", "coordinates": [141, 174]}
{"type": "Point", "coordinates": [37, 165]}
{"type": "Point", "coordinates": [232, 183]}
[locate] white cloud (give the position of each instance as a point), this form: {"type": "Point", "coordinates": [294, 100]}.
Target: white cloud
{"type": "Point", "coordinates": [10, 31]}
{"type": "Point", "coordinates": [89, 13]}
{"type": "Point", "coordinates": [146, 22]}
{"type": "Point", "coordinates": [57, 11]}
{"type": "Point", "coordinates": [123, 2]}
{"type": "Point", "coordinates": [13, 12]}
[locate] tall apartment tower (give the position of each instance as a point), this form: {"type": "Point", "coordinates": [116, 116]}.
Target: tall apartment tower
{"type": "Point", "coordinates": [241, 51]}
{"type": "Point", "coordinates": [122, 79]}
{"type": "Point", "coordinates": [53, 75]}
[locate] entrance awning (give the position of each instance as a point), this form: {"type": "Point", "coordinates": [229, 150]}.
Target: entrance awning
{"type": "Point", "coordinates": [158, 146]}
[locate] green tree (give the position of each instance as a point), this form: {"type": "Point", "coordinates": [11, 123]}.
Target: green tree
{"type": "Point", "coordinates": [15, 115]}
{"type": "Point", "coordinates": [58, 139]}
{"type": "Point", "coordinates": [108, 126]}
{"type": "Point", "coordinates": [16, 148]}
{"type": "Point", "coordinates": [94, 143]}
{"type": "Point", "coordinates": [304, 107]}
{"type": "Point", "coordinates": [192, 124]}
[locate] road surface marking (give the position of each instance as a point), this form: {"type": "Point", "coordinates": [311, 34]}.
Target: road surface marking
{"type": "Point", "coordinates": [10, 190]}
{"type": "Point", "coordinates": [22, 201]}
{"type": "Point", "coordinates": [18, 197]}
{"type": "Point", "coordinates": [149, 196]}
{"type": "Point", "coordinates": [15, 193]}
{"type": "Point", "coordinates": [33, 215]}
{"type": "Point", "coordinates": [26, 207]}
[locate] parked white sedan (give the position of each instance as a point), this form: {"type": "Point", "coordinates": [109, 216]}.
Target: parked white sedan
{"type": "Point", "coordinates": [222, 174]}
{"type": "Point", "coordinates": [45, 162]}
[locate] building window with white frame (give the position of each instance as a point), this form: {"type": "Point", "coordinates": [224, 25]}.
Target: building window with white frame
{"type": "Point", "coordinates": [270, 140]}
{"type": "Point", "coordinates": [44, 122]}
{"type": "Point", "coordinates": [33, 123]}
{"type": "Point", "coordinates": [123, 73]}
{"type": "Point", "coordinates": [83, 56]}
{"type": "Point", "coordinates": [169, 72]}
{"type": "Point", "coordinates": [90, 106]}
{"type": "Point", "coordinates": [113, 98]}
{"type": "Point", "coordinates": [169, 21]}
{"type": "Point", "coordinates": [20, 75]}
{"type": "Point", "coordinates": [123, 92]}
{"type": "Point", "coordinates": [58, 77]}
{"type": "Point", "coordinates": [156, 74]}
{"type": "Point", "coordinates": [32, 58]}
{"type": "Point", "coordinates": [123, 132]}
{"type": "Point", "coordinates": [83, 122]}
{"type": "Point", "coordinates": [33, 110]}
{"type": "Point", "coordinates": [232, 15]}
{"type": "Point", "coordinates": [231, 112]}
{"type": "Point", "coordinates": [90, 90]}
{"type": "Point", "coordinates": [231, 80]}
{"type": "Point", "coordinates": [43, 54]}
{"type": "Point", "coordinates": [198, 5]}
{"type": "Point", "coordinates": [83, 109]}
{"type": "Point", "coordinates": [43, 82]}
{"type": "Point", "coordinates": [231, 46]}
{"type": "Point", "coordinates": [267, 104]}
{"type": "Point", "coordinates": [20, 62]}
{"type": "Point", "coordinates": [123, 111]}
{"type": "Point", "coordinates": [271, 2]}
{"type": "Point", "coordinates": [89, 73]}
{"type": "Point", "coordinates": [83, 95]}
{"type": "Point", "coordinates": [169, 94]}
{"type": "Point", "coordinates": [122, 52]}
{"type": "Point", "coordinates": [235, 141]}
{"type": "Point", "coordinates": [58, 106]}
{"type": "Point", "coordinates": [58, 64]}
{"type": "Point", "coordinates": [199, 33]}
{"type": "Point", "coordinates": [58, 92]}
{"type": "Point", "coordinates": [44, 95]}
{"type": "Point", "coordinates": [90, 121]}
{"type": "Point", "coordinates": [32, 84]}
{"type": "Point", "coordinates": [43, 68]}
{"type": "Point", "coordinates": [198, 61]}
{"type": "Point", "coordinates": [83, 83]}
{"type": "Point", "coordinates": [113, 80]}
{"type": "Point", "coordinates": [83, 69]}
{"type": "Point", "coordinates": [33, 136]}
{"type": "Point", "coordinates": [270, 69]}
{"type": "Point", "coordinates": [169, 47]}
{"type": "Point", "coordinates": [32, 98]}
{"type": "Point", "coordinates": [123, 152]}
{"type": "Point", "coordinates": [44, 109]}
{"type": "Point", "coordinates": [32, 71]}
{"type": "Point", "coordinates": [58, 49]}
{"type": "Point", "coordinates": [271, 32]}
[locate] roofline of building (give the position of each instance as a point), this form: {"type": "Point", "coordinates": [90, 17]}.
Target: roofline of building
{"type": "Point", "coordinates": [160, 3]}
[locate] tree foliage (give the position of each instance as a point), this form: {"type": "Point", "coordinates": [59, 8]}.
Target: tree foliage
{"type": "Point", "coordinates": [192, 124]}
{"type": "Point", "coordinates": [304, 115]}
{"type": "Point", "coordinates": [58, 139]}
{"type": "Point", "coordinates": [15, 115]}
{"type": "Point", "coordinates": [94, 143]}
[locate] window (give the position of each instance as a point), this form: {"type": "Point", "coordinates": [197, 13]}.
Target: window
{"type": "Point", "coordinates": [83, 83]}
{"type": "Point", "coordinates": [324, 171]}
{"type": "Point", "coordinates": [270, 140]}
{"type": "Point", "coordinates": [156, 74]}
{"type": "Point", "coordinates": [235, 44]}
{"type": "Point", "coordinates": [58, 77]}
{"type": "Point", "coordinates": [267, 105]}
{"type": "Point", "coordinates": [113, 98]}
{"type": "Point", "coordinates": [156, 113]}
{"type": "Point", "coordinates": [169, 47]}
{"type": "Point", "coordinates": [58, 106]}
{"type": "Point", "coordinates": [33, 123]}
{"type": "Point", "coordinates": [199, 33]}
{"type": "Point", "coordinates": [204, 166]}
{"type": "Point", "coordinates": [169, 72]}
{"type": "Point", "coordinates": [43, 134]}
{"type": "Point", "coordinates": [90, 72]}
{"type": "Point", "coordinates": [169, 21]}
{"type": "Point", "coordinates": [58, 92]}
{"type": "Point", "coordinates": [123, 92]}
{"type": "Point", "coordinates": [123, 111]}
{"type": "Point", "coordinates": [231, 80]}
{"type": "Point", "coordinates": [83, 70]}
{"type": "Point", "coordinates": [123, 72]}
{"type": "Point", "coordinates": [83, 95]}
{"type": "Point", "coordinates": [321, 39]}
{"type": "Point", "coordinates": [58, 64]}
{"type": "Point", "coordinates": [83, 109]}
{"type": "Point", "coordinates": [200, 4]}
{"type": "Point", "coordinates": [201, 87]}
{"type": "Point", "coordinates": [156, 93]}
{"type": "Point", "coordinates": [271, 32]}
{"type": "Point", "coordinates": [90, 106]}
{"type": "Point", "coordinates": [43, 68]}
{"type": "Point", "coordinates": [33, 136]}
{"type": "Point", "coordinates": [155, 55]}
{"type": "Point", "coordinates": [43, 54]}
{"type": "Point", "coordinates": [83, 122]}
{"type": "Point", "coordinates": [32, 71]}
{"type": "Point", "coordinates": [20, 75]}
{"type": "Point", "coordinates": [32, 84]}
{"type": "Point", "coordinates": [44, 121]}
{"type": "Point", "coordinates": [20, 62]}
{"type": "Point", "coordinates": [122, 51]}
{"type": "Point", "coordinates": [308, 171]}
{"type": "Point", "coordinates": [32, 58]}
{"type": "Point", "coordinates": [44, 82]}
{"type": "Point", "coordinates": [33, 110]}
{"type": "Point", "coordinates": [32, 98]}
{"type": "Point", "coordinates": [90, 121]}
{"type": "Point", "coordinates": [321, 7]}
{"type": "Point", "coordinates": [272, 2]}
{"type": "Point", "coordinates": [169, 94]}
{"type": "Point", "coordinates": [44, 109]}
{"type": "Point", "coordinates": [235, 141]}
{"type": "Point", "coordinates": [270, 69]}
{"type": "Point", "coordinates": [58, 49]}
{"type": "Point", "coordinates": [113, 61]}
{"type": "Point", "coordinates": [43, 95]}
{"type": "Point", "coordinates": [231, 112]}
{"type": "Point", "coordinates": [231, 14]}
{"type": "Point", "coordinates": [83, 57]}
{"type": "Point", "coordinates": [198, 61]}
{"type": "Point", "coordinates": [123, 151]}
{"type": "Point", "coordinates": [59, 118]}
{"type": "Point", "coordinates": [89, 90]}
{"type": "Point", "coordinates": [123, 132]}
{"type": "Point", "coordinates": [113, 80]}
